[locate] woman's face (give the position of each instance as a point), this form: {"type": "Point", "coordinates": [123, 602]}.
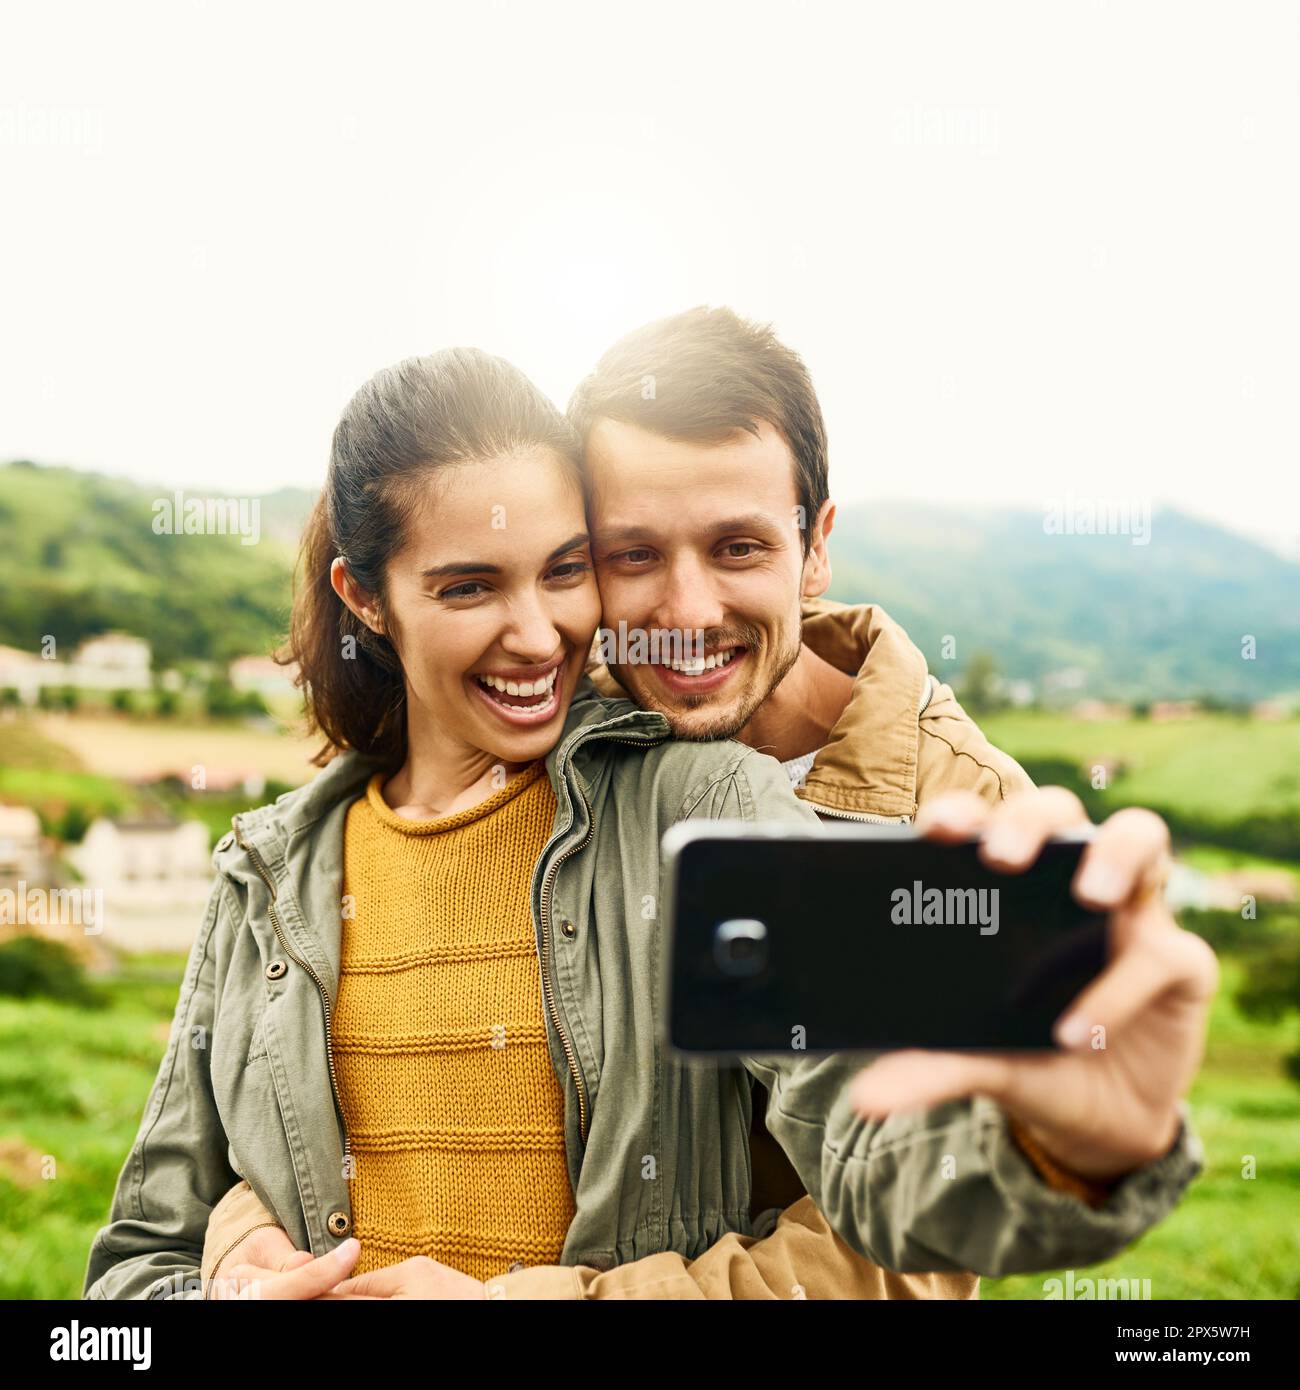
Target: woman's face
{"type": "Point", "coordinates": [492, 605]}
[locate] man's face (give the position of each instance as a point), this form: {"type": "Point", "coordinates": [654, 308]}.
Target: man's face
{"type": "Point", "coordinates": [701, 537]}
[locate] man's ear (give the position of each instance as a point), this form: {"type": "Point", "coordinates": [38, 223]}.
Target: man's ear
{"type": "Point", "coordinates": [817, 563]}
{"type": "Point", "coordinates": [360, 601]}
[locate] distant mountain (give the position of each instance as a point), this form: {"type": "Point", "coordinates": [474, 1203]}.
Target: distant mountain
{"type": "Point", "coordinates": [1161, 620]}
{"type": "Point", "coordinates": [1093, 615]}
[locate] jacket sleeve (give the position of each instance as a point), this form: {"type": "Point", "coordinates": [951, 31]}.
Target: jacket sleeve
{"type": "Point", "coordinates": [801, 1259]}
{"type": "Point", "coordinates": [177, 1167]}
{"type": "Point", "coordinates": [948, 1188]}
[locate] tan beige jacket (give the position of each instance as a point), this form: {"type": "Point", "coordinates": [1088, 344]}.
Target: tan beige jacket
{"type": "Point", "coordinates": [902, 739]}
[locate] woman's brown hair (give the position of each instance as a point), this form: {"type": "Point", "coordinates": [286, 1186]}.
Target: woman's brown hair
{"type": "Point", "coordinates": [456, 406]}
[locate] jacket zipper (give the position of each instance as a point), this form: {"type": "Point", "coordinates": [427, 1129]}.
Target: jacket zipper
{"type": "Point", "coordinates": [265, 876]}
{"type": "Point", "coordinates": [548, 990]}
{"type": "Point", "coordinates": [858, 815]}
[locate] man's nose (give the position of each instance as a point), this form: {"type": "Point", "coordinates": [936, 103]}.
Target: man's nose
{"type": "Point", "coordinates": [690, 600]}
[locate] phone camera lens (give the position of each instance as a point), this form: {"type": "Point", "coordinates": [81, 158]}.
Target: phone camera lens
{"type": "Point", "coordinates": [740, 946]}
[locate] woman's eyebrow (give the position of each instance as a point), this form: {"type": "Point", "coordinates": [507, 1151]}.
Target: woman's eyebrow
{"type": "Point", "coordinates": [573, 543]}
{"type": "Point", "coordinates": [468, 567]}
{"type": "Point", "coordinates": [482, 567]}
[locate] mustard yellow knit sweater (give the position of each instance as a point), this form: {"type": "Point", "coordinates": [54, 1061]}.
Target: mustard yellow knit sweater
{"type": "Point", "coordinates": [452, 1105]}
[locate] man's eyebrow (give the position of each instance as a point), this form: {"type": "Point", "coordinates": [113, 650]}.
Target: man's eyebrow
{"type": "Point", "coordinates": [755, 521]}
{"type": "Point", "coordinates": [482, 566]}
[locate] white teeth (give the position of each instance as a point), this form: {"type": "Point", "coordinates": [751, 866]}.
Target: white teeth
{"type": "Point", "coordinates": [524, 689]}
{"type": "Point", "coordinates": [700, 664]}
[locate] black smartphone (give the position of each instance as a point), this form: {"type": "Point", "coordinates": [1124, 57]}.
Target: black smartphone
{"type": "Point", "coordinates": [839, 938]}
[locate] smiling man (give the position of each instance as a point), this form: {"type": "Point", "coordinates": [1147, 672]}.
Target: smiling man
{"type": "Point", "coordinates": [708, 497]}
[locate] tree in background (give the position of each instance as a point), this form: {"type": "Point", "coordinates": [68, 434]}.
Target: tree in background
{"type": "Point", "coordinates": [981, 685]}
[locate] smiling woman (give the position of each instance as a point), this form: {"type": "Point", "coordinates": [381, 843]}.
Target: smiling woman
{"type": "Point", "coordinates": [442, 603]}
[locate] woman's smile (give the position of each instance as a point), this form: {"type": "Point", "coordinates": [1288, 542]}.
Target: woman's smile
{"type": "Point", "coordinates": [521, 696]}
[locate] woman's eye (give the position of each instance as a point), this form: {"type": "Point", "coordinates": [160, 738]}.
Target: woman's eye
{"type": "Point", "coordinates": [472, 589]}
{"type": "Point", "coordinates": [571, 569]}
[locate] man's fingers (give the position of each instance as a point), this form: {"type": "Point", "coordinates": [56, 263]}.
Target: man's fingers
{"type": "Point", "coordinates": [1020, 826]}
{"type": "Point", "coordinates": [952, 816]}
{"type": "Point", "coordinates": [915, 1079]}
{"type": "Point", "coordinates": [295, 1259]}
{"type": "Point", "coordinates": [376, 1283]}
{"type": "Point", "coordinates": [316, 1276]}
{"type": "Point", "coordinates": [1153, 965]}
{"type": "Point", "coordinates": [1128, 855]}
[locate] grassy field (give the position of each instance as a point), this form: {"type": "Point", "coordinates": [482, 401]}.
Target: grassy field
{"type": "Point", "coordinates": [1231, 1236]}
{"type": "Point", "coordinates": [141, 748]}
{"type": "Point", "coordinates": [101, 764]}
{"type": "Point", "coordinates": [1215, 765]}
{"type": "Point", "coordinates": [73, 1085]}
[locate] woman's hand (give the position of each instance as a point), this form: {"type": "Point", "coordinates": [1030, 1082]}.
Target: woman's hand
{"type": "Point", "coordinates": [418, 1277]}
{"type": "Point", "coordinates": [265, 1265]}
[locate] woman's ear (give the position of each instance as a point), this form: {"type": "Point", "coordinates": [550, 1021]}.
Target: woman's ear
{"type": "Point", "coordinates": [817, 563]}
{"type": "Point", "coordinates": [360, 601]}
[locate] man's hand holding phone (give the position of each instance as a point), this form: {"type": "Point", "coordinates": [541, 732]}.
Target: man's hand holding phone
{"type": "Point", "coordinates": [1132, 1040]}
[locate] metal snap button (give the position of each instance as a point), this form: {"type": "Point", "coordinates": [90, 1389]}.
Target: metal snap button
{"type": "Point", "coordinates": [338, 1223]}
{"type": "Point", "coordinates": [568, 929]}
{"type": "Point", "coordinates": [275, 969]}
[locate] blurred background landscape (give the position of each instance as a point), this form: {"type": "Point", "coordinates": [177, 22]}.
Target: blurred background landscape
{"type": "Point", "coordinates": [1114, 669]}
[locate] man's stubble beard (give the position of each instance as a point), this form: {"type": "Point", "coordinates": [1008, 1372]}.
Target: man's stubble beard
{"type": "Point", "coordinates": [726, 725]}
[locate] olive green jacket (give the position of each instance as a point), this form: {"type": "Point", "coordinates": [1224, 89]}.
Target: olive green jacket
{"type": "Point", "coordinates": [658, 1152]}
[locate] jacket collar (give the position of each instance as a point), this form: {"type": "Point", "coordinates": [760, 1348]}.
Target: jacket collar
{"type": "Point", "coordinates": [868, 765]}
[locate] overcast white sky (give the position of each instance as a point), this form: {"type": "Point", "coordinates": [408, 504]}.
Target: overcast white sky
{"type": "Point", "coordinates": [1025, 248]}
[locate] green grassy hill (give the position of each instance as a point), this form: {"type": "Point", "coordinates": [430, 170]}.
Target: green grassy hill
{"type": "Point", "coordinates": [78, 556]}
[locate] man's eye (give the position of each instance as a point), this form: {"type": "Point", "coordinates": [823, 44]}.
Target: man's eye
{"type": "Point", "coordinates": [740, 550]}
{"type": "Point", "coordinates": [634, 557]}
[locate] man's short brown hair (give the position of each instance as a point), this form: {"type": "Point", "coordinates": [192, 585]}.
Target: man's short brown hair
{"type": "Point", "coordinates": [702, 375]}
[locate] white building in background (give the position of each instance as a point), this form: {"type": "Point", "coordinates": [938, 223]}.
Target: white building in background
{"type": "Point", "coordinates": [262, 674]}
{"type": "Point", "coordinates": [155, 876]}
{"type": "Point", "coordinates": [143, 853]}
{"type": "Point", "coordinates": [23, 672]}
{"type": "Point", "coordinates": [113, 661]}
{"type": "Point", "coordinates": [20, 845]}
